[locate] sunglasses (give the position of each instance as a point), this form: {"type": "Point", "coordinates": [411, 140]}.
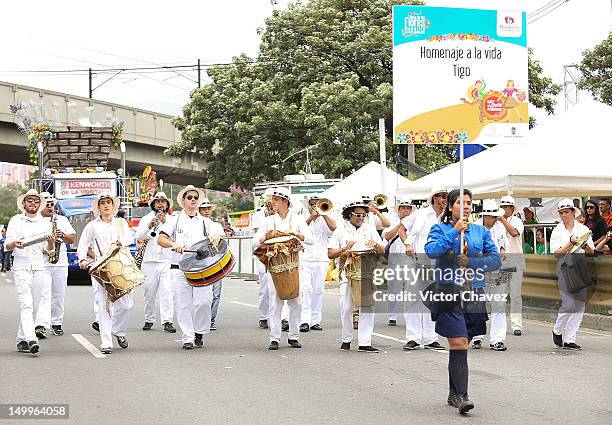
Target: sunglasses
{"type": "Point", "coordinates": [192, 197]}
{"type": "Point", "coordinates": [590, 207]}
{"type": "Point", "coordinates": [33, 200]}
{"type": "Point", "coordinates": [359, 215]}
{"type": "Point", "coordinates": [50, 204]}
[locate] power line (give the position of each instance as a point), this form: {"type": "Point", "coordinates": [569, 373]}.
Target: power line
{"type": "Point", "coordinates": [541, 9]}
{"type": "Point", "coordinates": [548, 12]}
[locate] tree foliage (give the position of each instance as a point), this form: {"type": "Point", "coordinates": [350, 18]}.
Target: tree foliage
{"type": "Point", "coordinates": [8, 202]}
{"type": "Point", "coordinates": [542, 90]}
{"type": "Point", "coordinates": [596, 69]}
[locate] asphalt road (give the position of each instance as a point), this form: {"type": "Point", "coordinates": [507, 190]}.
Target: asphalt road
{"type": "Point", "coordinates": [235, 379]}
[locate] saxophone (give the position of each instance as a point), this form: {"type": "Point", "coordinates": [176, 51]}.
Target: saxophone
{"type": "Point", "coordinates": [140, 252]}
{"type": "Point", "coordinates": [54, 256]}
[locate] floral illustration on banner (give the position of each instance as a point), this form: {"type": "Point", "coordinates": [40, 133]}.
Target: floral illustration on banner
{"type": "Point", "coordinates": [432, 137]}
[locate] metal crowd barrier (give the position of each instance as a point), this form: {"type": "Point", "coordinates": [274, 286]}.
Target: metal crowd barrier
{"type": "Point", "coordinates": [546, 228]}
{"type": "Point", "coordinates": [242, 250]}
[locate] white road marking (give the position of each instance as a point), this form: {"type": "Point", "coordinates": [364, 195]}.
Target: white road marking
{"type": "Point", "coordinates": [89, 346]}
{"type": "Point", "coordinates": [245, 304]}
{"type": "Point", "coordinates": [579, 330]}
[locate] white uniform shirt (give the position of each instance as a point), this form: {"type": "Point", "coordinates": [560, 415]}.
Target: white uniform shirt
{"type": "Point", "coordinates": [398, 246]}
{"type": "Point", "coordinates": [153, 252]}
{"type": "Point", "coordinates": [66, 228]}
{"type": "Point", "coordinates": [346, 232]}
{"type": "Point", "coordinates": [561, 236]}
{"type": "Point", "coordinates": [100, 235]}
{"type": "Point", "coordinates": [258, 218]}
{"type": "Point", "coordinates": [375, 220]}
{"type": "Point", "coordinates": [317, 251]}
{"type": "Point", "coordinates": [26, 228]}
{"type": "Point", "coordinates": [292, 221]}
{"type": "Point", "coordinates": [514, 247]}
{"type": "Point", "coordinates": [424, 219]}
{"type": "Point", "coordinates": [186, 231]}
{"type": "Point", "coordinates": [498, 234]}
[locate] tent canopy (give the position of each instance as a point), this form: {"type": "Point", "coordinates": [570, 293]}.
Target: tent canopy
{"type": "Point", "coordinates": [566, 156]}
{"type": "Point", "coordinates": [366, 181]}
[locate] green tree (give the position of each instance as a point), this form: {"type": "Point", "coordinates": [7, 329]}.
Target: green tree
{"type": "Point", "coordinates": [596, 68]}
{"type": "Point", "coordinates": [8, 199]}
{"type": "Point", "coordinates": [542, 90]}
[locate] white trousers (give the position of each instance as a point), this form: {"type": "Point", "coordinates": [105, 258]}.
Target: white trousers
{"type": "Point", "coordinates": [498, 322]}
{"type": "Point", "coordinates": [366, 318]}
{"type": "Point", "coordinates": [193, 306]}
{"type": "Point", "coordinates": [113, 318]}
{"type": "Point", "coordinates": [263, 304]}
{"type": "Point", "coordinates": [157, 284]}
{"type": "Point", "coordinates": [276, 307]}
{"type": "Point", "coordinates": [312, 286]}
{"type": "Point", "coordinates": [34, 296]}
{"type": "Point", "coordinates": [59, 280]}
{"type": "Point", "coordinates": [516, 300]}
{"type": "Point", "coordinates": [570, 313]}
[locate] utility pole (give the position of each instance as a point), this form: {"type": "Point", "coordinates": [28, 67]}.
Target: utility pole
{"type": "Point", "coordinates": [90, 84]}
{"type": "Point", "coordinates": [199, 74]}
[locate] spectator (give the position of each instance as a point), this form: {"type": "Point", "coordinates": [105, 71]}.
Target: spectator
{"type": "Point", "coordinates": [580, 217]}
{"type": "Point", "coordinates": [594, 221]}
{"type": "Point", "coordinates": [121, 214]}
{"type": "Point", "coordinates": [604, 211]}
{"type": "Point", "coordinates": [2, 252]}
{"type": "Point", "coordinates": [541, 247]}
{"type": "Point", "coordinates": [605, 245]}
{"type": "Point", "coordinates": [530, 218]}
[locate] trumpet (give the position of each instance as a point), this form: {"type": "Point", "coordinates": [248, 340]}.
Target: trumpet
{"type": "Point", "coordinates": [380, 200]}
{"type": "Point", "coordinates": [324, 206]}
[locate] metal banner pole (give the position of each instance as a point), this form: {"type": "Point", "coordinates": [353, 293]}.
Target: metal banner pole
{"type": "Point", "coordinates": [383, 154]}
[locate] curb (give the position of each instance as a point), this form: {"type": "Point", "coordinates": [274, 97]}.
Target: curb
{"type": "Point", "coordinates": [597, 322]}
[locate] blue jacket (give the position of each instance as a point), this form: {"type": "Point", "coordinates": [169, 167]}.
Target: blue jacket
{"type": "Point", "coordinates": [482, 253]}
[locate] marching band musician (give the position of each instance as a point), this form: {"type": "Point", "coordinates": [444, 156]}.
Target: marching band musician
{"type": "Point", "coordinates": [193, 304]}
{"type": "Point", "coordinates": [285, 220]}
{"type": "Point", "coordinates": [314, 267]}
{"type": "Point", "coordinates": [397, 255]}
{"type": "Point", "coordinates": [58, 271]}
{"type": "Point", "coordinates": [100, 235]}
{"type": "Point", "coordinates": [263, 303]}
{"type": "Point", "coordinates": [156, 264]}
{"type": "Point", "coordinates": [490, 214]}
{"type": "Point", "coordinates": [420, 329]}
{"type": "Point", "coordinates": [353, 233]}
{"type": "Point", "coordinates": [206, 209]}
{"type": "Point", "coordinates": [32, 282]}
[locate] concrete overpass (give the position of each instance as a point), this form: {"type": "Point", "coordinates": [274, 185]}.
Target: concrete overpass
{"type": "Point", "coordinates": [146, 134]}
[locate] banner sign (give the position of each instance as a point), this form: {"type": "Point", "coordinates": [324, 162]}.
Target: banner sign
{"type": "Point", "coordinates": [459, 75]}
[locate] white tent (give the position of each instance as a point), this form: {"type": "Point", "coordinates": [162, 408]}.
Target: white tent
{"type": "Point", "coordinates": [366, 181]}
{"type": "Point", "coordinates": [566, 156]}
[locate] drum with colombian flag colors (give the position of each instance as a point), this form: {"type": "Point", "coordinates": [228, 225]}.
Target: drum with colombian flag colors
{"type": "Point", "coordinates": [204, 264]}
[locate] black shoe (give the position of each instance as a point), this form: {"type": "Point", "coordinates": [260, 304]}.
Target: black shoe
{"type": "Point", "coordinates": [304, 327]}
{"type": "Point", "coordinates": [345, 346]}
{"type": "Point", "coordinates": [169, 327]}
{"type": "Point", "coordinates": [23, 347]}
{"type": "Point", "coordinates": [411, 345]}
{"type": "Point", "coordinates": [284, 325]}
{"type": "Point", "coordinates": [57, 330]}
{"type": "Point", "coordinates": [498, 346]}
{"type": "Point", "coordinates": [33, 346]}
{"type": "Point", "coordinates": [106, 350]}
{"type": "Point", "coordinates": [368, 349]}
{"type": "Point", "coordinates": [464, 404]}
{"type": "Point", "coordinates": [213, 326]}
{"type": "Point", "coordinates": [392, 322]}
{"type": "Point", "coordinates": [355, 325]}
{"type": "Point", "coordinates": [518, 332]}
{"type": "Point", "coordinates": [477, 344]}
{"type": "Point", "coordinates": [557, 339]}
{"type": "Point", "coordinates": [188, 346]}
{"type": "Point", "coordinates": [263, 324]}
{"type": "Point", "coordinates": [96, 326]}
{"type": "Point", "coordinates": [122, 341]}
{"type": "Point", "coordinates": [199, 341]}
{"type": "Point", "coordinates": [294, 343]}
{"type": "Point", "coordinates": [434, 346]}
{"type": "Point", "coordinates": [452, 398]}
{"type": "Point", "coordinates": [41, 332]}
{"type": "Point", "coordinates": [571, 346]}
{"type": "Point", "coordinates": [147, 326]}
{"type": "Point", "coordinates": [273, 345]}
{"type": "Point", "coordinates": [316, 327]}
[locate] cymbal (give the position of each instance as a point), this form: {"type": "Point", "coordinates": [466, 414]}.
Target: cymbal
{"type": "Point", "coordinates": [580, 241]}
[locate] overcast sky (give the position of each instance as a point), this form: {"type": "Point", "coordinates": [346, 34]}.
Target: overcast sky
{"type": "Point", "coordinates": [73, 34]}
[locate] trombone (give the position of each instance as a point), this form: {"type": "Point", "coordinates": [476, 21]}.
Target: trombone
{"type": "Point", "coordinates": [324, 206]}
{"type": "Point", "coordinates": [380, 201]}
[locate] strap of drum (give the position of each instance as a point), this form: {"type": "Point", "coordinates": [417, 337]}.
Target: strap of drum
{"type": "Point", "coordinates": [204, 226]}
